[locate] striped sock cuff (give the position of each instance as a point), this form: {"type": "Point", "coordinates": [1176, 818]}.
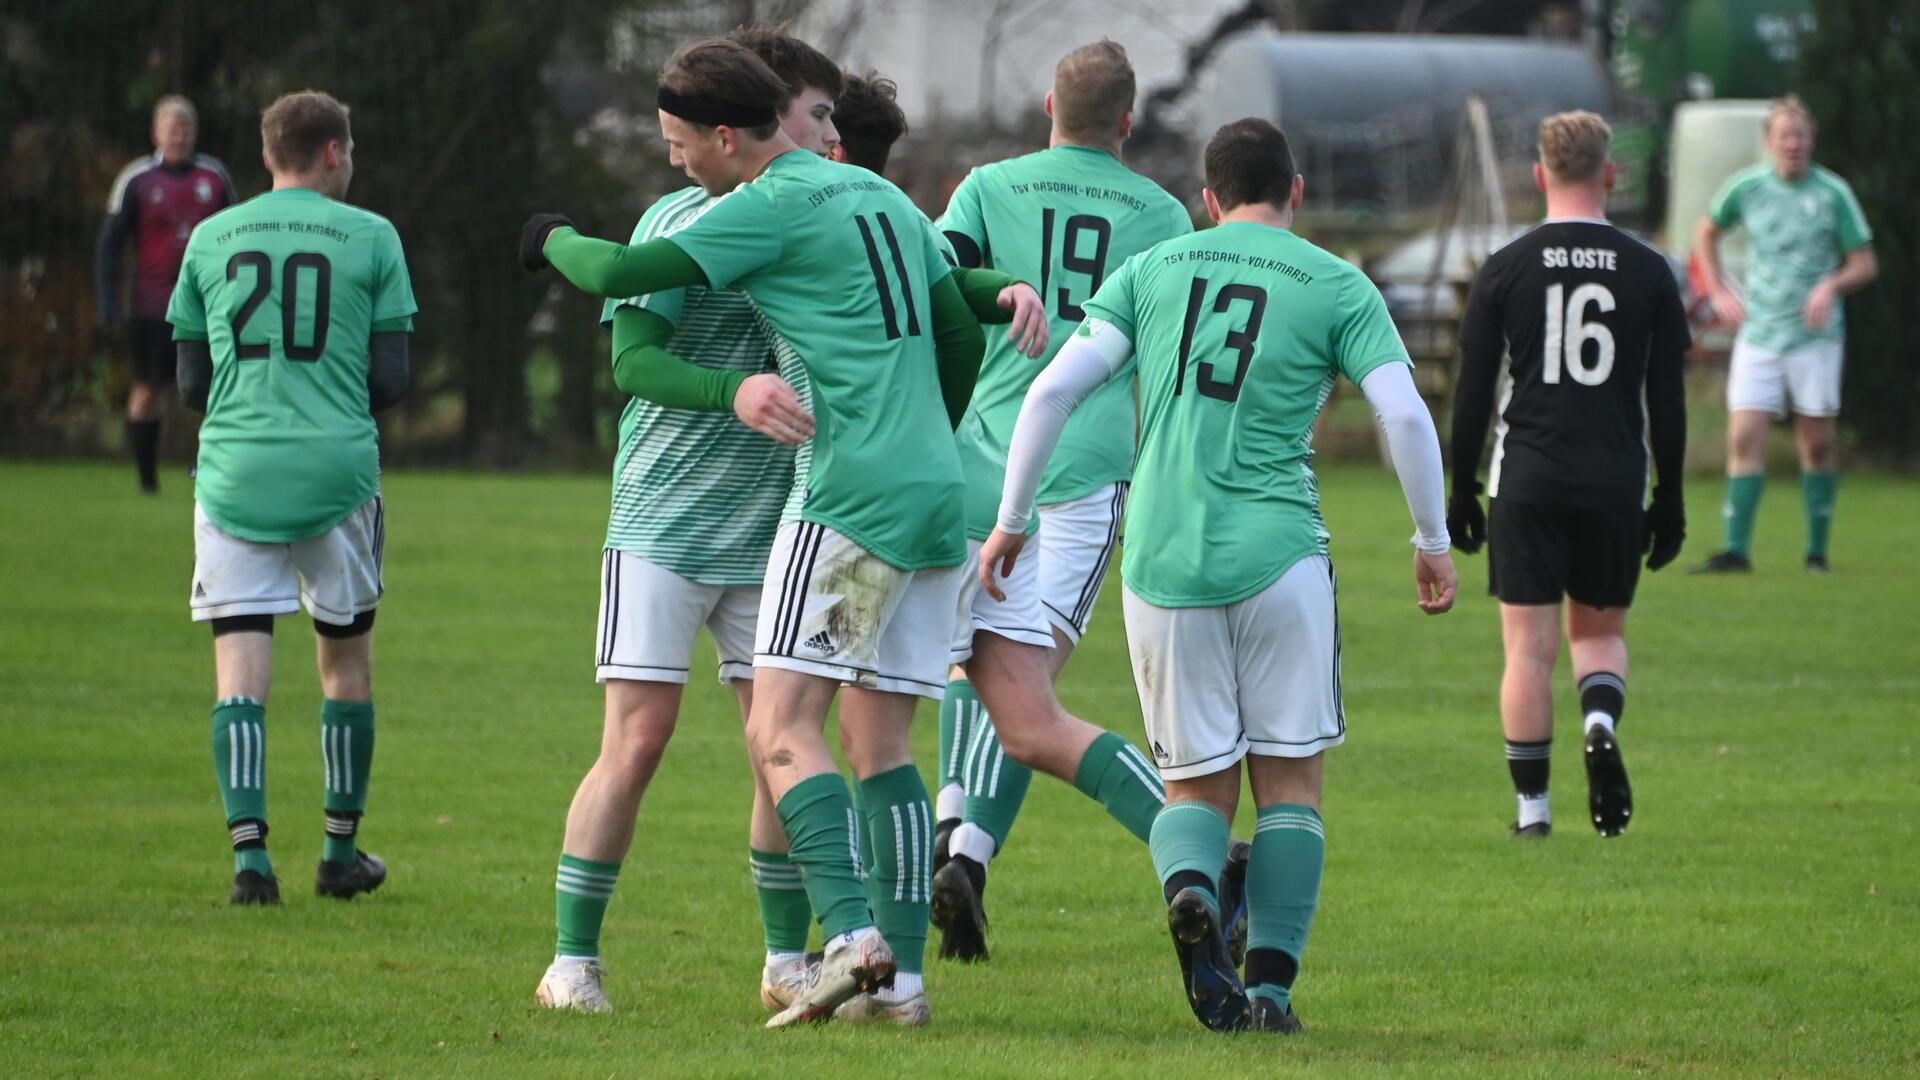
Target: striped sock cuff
{"type": "Point", "coordinates": [343, 825]}
{"type": "Point", "coordinates": [584, 877]}
{"type": "Point", "coordinates": [1530, 751]}
{"type": "Point", "coordinates": [1290, 816]}
{"type": "Point", "coordinates": [773, 870]}
{"type": "Point", "coordinates": [248, 833]}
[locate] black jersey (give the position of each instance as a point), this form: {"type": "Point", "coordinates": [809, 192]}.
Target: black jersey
{"type": "Point", "coordinates": [1590, 320]}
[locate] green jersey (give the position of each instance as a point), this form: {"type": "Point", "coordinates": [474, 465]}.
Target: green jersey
{"type": "Point", "coordinates": [1797, 233]}
{"type": "Point", "coordinates": [1061, 220]}
{"type": "Point", "coordinates": [1238, 334]}
{"type": "Point", "coordinates": [287, 290]}
{"type": "Point", "coordinates": [699, 493]}
{"type": "Point", "coordinates": [840, 264]}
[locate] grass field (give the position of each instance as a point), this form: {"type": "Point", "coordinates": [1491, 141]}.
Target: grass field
{"type": "Point", "coordinates": [1762, 917]}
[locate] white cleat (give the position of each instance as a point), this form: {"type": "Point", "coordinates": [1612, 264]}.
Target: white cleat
{"type": "Point", "coordinates": [782, 982]}
{"type": "Point", "coordinates": [855, 963]}
{"type": "Point", "coordinates": [574, 984]}
{"type": "Point", "coordinates": [881, 1008]}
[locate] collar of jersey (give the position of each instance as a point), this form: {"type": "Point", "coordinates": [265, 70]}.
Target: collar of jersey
{"type": "Point", "coordinates": [1085, 149]}
{"type": "Point", "coordinates": [306, 191]}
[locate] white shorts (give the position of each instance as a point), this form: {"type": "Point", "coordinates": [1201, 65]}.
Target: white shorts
{"type": "Point", "coordinates": [336, 574]}
{"type": "Point", "coordinates": [650, 615]}
{"type": "Point", "coordinates": [1020, 617]}
{"type": "Point", "coordinates": [1261, 676]}
{"type": "Point", "coordinates": [830, 608]}
{"type": "Point", "coordinates": [1077, 540]}
{"type": "Point", "coordinates": [1803, 381]}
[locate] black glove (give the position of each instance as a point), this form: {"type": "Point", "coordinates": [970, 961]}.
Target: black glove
{"type": "Point", "coordinates": [1666, 530]}
{"type": "Point", "coordinates": [533, 237]}
{"type": "Point", "coordinates": [1466, 522]}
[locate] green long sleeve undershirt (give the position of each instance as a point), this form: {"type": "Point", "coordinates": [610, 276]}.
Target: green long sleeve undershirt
{"type": "Point", "coordinates": [643, 367]}
{"type": "Point", "coordinates": [982, 290]}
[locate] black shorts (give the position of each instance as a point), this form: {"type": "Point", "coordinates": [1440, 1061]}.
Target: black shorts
{"type": "Point", "coordinates": [153, 352]}
{"type": "Point", "coordinates": [1537, 554]}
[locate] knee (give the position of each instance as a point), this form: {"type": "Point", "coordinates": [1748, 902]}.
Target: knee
{"type": "Point", "coordinates": [1024, 735]}
{"type": "Point", "coordinates": [1533, 656]}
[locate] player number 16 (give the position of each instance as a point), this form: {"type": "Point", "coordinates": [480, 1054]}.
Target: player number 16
{"type": "Point", "coordinates": [1568, 334]}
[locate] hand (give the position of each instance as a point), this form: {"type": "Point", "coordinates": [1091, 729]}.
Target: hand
{"type": "Point", "coordinates": [1666, 531]}
{"type": "Point", "coordinates": [533, 239]}
{"type": "Point", "coordinates": [768, 405]}
{"type": "Point", "coordinates": [1466, 522]}
{"type": "Point", "coordinates": [999, 553]}
{"type": "Point", "coordinates": [1029, 330]}
{"type": "Point", "coordinates": [1434, 582]}
{"type": "Point", "coordinates": [1819, 306]}
{"type": "Point", "coordinates": [1727, 307]}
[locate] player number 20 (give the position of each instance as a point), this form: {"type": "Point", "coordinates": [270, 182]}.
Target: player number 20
{"type": "Point", "coordinates": [319, 269]}
{"type": "Point", "coordinates": [1568, 333]}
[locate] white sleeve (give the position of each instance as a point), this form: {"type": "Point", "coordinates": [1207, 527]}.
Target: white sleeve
{"type": "Point", "coordinates": [1415, 448]}
{"type": "Point", "coordinates": [1089, 358]}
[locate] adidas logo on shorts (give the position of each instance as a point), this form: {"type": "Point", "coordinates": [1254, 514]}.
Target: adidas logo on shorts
{"type": "Point", "coordinates": [820, 643]}
{"type": "Point", "coordinates": [199, 591]}
{"type": "Point", "coordinates": [1159, 754]}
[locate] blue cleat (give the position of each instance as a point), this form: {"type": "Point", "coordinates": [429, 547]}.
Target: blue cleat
{"type": "Point", "coordinates": [1233, 900]}
{"type": "Point", "coordinates": [1213, 986]}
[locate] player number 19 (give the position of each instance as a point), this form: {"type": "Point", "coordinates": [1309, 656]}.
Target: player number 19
{"type": "Point", "coordinates": [1567, 334]}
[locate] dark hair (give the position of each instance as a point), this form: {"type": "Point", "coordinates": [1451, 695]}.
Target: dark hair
{"type": "Point", "coordinates": [298, 126]}
{"type": "Point", "coordinates": [869, 120]}
{"type": "Point", "coordinates": [730, 72]}
{"type": "Point", "coordinates": [1092, 90]}
{"type": "Point", "coordinates": [798, 64]}
{"type": "Point", "coordinates": [1248, 161]}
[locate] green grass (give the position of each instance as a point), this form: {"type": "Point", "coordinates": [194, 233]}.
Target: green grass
{"type": "Point", "coordinates": [1762, 918]}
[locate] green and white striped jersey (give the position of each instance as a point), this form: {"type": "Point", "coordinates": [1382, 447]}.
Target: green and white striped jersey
{"type": "Point", "coordinates": [699, 493]}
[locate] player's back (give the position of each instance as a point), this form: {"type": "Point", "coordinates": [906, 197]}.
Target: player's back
{"type": "Point", "coordinates": [841, 266]}
{"type": "Point", "coordinates": [1239, 333]}
{"type": "Point", "coordinates": [1061, 219]}
{"type": "Point", "coordinates": [1580, 306]}
{"type": "Point", "coordinates": [288, 289]}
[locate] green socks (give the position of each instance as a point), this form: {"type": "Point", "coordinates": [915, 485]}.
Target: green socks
{"type": "Point", "coordinates": [959, 710]}
{"type": "Point", "coordinates": [346, 748]}
{"type": "Point", "coordinates": [1818, 490]}
{"type": "Point", "coordinates": [1189, 845]}
{"type": "Point", "coordinates": [996, 786]}
{"type": "Point", "coordinates": [1283, 889]}
{"type": "Point", "coordinates": [1742, 506]}
{"type": "Point", "coordinates": [900, 869]}
{"type": "Point", "coordinates": [822, 840]}
{"type": "Point", "coordinates": [785, 917]}
{"type": "Point", "coordinates": [582, 888]}
{"type": "Point", "coordinates": [1120, 778]}
{"type": "Point", "coordinates": [240, 767]}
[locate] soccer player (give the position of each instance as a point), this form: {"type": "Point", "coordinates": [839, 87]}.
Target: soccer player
{"type": "Point", "coordinates": [853, 287]}
{"type": "Point", "coordinates": [869, 119]}
{"type": "Point", "coordinates": [697, 497]}
{"type": "Point", "coordinates": [291, 319]}
{"type": "Point", "coordinates": [1592, 324]}
{"type": "Point", "coordinates": [1809, 245]}
{"type": "Point", "coordinates": [155, 203]}
{"type": "Point", "coordinates": [1237, 335]}
{"type": "Point", "coordinates": [1064, 217]}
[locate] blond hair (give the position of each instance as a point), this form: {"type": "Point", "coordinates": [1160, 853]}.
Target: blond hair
{"type": "Point", "coordinates": [1092, 89]}
{"type": "Point", "coordinates": [1790, 104]}
{"type": "Point", "coordinates": [176, 103]}
{"type": "Point", "coordinates": [1574, 145]}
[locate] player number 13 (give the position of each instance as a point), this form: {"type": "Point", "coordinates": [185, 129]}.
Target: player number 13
{"type": "Point", "coordinates": [1567, 335]}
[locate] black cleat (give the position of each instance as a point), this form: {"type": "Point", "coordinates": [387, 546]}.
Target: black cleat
{"type": "Point", "coordinates": [959, 911]}
{"type": "Point", "coordinates": [253, 887]}
{"type": "Point", "coordinates": [1726, 562]}
{"type": "Point", "coordinates": [1212, 984]}
{"type": "Point", "coordinates": [942, 838]}
{"type": "Point", "coordinates": [1609, 796]}
{"type": "Point", "coordinates": [1817, 564]}
{"type": "Point", "coordinates": [1270, 1017]}
{"type": "Point", "coordinates": [1233, 900]}
{"type": "Point", "coordinates": [348, 880]}
{"type": "Point", "coordinates": [1539, 830]}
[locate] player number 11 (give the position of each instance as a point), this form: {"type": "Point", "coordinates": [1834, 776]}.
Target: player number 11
{"type": "Point", "coordinates": [1568, 334]}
